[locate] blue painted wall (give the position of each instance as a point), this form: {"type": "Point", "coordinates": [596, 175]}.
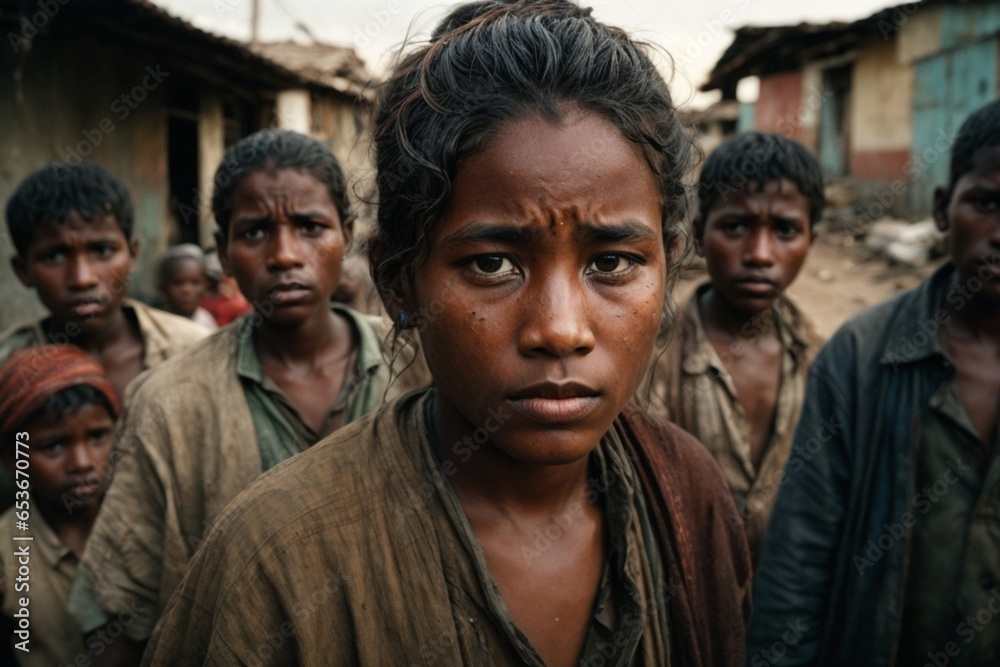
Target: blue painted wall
{"type": "Point", "coordinates": [961, 24]}
{"type": "Point", "coordinates": [747, 119]}
{"type": "Point", "coordinates": [948, 87]}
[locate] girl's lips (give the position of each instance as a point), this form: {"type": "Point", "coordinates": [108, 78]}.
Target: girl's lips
{"type": "Point", "coordinates": [554, 410]}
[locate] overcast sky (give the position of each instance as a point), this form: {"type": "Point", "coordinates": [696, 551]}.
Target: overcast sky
{"type": "Point", "coordinates": [695, 32]}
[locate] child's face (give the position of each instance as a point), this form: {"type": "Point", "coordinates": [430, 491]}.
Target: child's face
{"type": "Point", "coordinates": [973, 217]}
{"type": "Point", "coordinates": [184, 285]}
{"type": "Point", "coordinates": [285, 245]}
{"type": "Point", "coordinates": [541, 298]}
{"type": "Point", "coordinates": [755, 244]}
{"type": "Point", "coordinates": [69, 457]}
{"type": "Point", "coordinates": [80, 269]}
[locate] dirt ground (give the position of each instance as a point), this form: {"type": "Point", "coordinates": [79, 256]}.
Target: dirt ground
{"type": "Point", "coordinates": [836, 282]}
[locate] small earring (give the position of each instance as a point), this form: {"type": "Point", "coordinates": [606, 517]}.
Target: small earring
{"type": "Point", "coordinates": [401, 320]}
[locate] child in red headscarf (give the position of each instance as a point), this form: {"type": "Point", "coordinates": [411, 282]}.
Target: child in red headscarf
{"type": "Point", "coordinates": [57, 415]}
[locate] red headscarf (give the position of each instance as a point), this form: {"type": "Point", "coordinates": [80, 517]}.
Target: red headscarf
{"type": "Point", "coordinates": [31, 376]}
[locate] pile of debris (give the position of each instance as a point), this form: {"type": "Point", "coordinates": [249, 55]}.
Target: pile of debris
{"type": "Point", "coordinates": [913, 244]}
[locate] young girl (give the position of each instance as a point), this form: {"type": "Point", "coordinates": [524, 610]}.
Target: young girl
{"type": "Point", "coordinates": [529, 171]}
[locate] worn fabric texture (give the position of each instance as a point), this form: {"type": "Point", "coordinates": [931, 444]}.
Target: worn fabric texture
{"type": "Point", "coordinates": [694, 388]}
{"type": "Point", "coordinates": [833, 571]}
{"type": "Point", "coordinates": [185, 446]}
{"type": "Point", "coordinates": [163, 334]}
{"type": "Point", "coordinates": [54, 638]}
{"type": "Point", "coordinates": [357, 552]}
{"type": "Point", "coordinates": [701, 538]}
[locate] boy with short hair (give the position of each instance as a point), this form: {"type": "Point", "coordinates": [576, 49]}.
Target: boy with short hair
{"type": "Point", "coordinates": [200, 428]}
{"type": "Point", "coordinates": [71, 225]}
{"type": "Point", "coordinates": [184, 282]}
{"type": "Point", "coordinates": [57, 413]}
{"type": "Point", "coordinates": [734, 373]}
{"type": "Point", "coordinates": [884, 543]}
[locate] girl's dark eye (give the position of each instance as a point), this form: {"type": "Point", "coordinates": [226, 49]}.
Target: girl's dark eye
{"type": "Point", "coordinates": [491, 265]}
{"type": "Point", "coordinates": [607, 263]}
{"type": "Point", "coordinates": [611, 263]}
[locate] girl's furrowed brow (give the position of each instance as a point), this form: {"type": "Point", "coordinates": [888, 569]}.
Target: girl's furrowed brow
{"type": "Point", "coordinates": [617, 232]}
{"type": "Point", "coordinates": [480, 232]}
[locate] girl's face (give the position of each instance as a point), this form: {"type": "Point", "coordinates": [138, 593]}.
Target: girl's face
{"type": "Point", "coordinates": [540, 301]}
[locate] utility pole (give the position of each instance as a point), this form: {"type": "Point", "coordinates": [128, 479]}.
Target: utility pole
{"type": "Point", "coordinates": [254, 21]}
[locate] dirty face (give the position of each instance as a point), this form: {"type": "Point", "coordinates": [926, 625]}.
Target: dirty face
{"type": "Point", "coordinates": [69, 457]}
{"type": "Point", "coordinates": [285, 245]}
{"type": "Point", "coordinates": [755, 244]}
{"type": "Point", "coordinates": [972, 217]}
{"type": "Point", "coordinates": [80, 269]}
{"type": "Point", "coordinates": [542, 295]}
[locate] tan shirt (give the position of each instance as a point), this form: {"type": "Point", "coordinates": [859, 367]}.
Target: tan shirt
{"type": "Point", "coordinates": [54, 639]}
{"type": "Point", "coordinates": [185, 446]}
{"type": "Point", "coordinates": [357, 552]}
{"type": "Point", "coordinates": [163, 334]}
{"type": "Point", "coordinates": [694, 388]}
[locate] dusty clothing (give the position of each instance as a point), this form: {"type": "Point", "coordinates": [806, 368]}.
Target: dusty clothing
{"type": "Point", "coordinates": [358, 552]}
{"type": "Point", "coordinates": [839, 547]}
{"type": "Point", "coordinates": [695, 386]}
{"type": "Point", "coordinates": [54, 638]}
{"type": "Point", "coordinates": [163, 334]}
{"type": "Point", "coordinates": [281, 431]}
{"type": "Point", "coordinates": [958, 504]}
{"type": "Point", "coordinates": [187, 443]}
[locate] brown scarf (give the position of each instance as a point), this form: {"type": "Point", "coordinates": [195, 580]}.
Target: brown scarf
{"type": "Point", "coordinates": [701, 536]}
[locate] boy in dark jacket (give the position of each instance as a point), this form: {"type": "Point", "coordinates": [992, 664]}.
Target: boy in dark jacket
{"type": "Point", "coordinates": [884, 546]}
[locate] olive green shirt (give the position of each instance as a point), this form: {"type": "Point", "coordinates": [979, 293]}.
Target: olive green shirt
{"type": "Point", "coordinates": [358, 552]}
{"type": "Point", "coordinates": [281, 431]}
{"type": "Point", "coordinates": [952, 598]}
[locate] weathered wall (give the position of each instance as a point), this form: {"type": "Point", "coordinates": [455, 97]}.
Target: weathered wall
{"type": "Point", "coordinates": [341, 123]}
{"type": "Point", "coordinates": [954, 51]}
{"type": "Point", "coordinates": [881, 113]}
{"type": "Point", "coordinates": [780, 106]}
{"type": "Point", "coordinates": [63, 109]}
